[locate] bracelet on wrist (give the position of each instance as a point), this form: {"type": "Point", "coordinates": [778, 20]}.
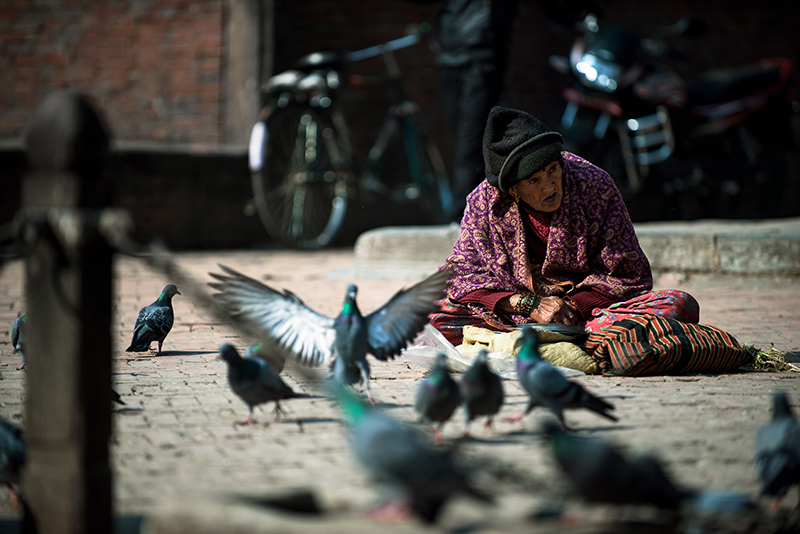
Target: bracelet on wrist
{"type": "Point", "coordinates": [526, 303]}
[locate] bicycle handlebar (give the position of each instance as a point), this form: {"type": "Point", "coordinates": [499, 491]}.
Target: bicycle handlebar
{"type": "Point", "coordinates": [396, 44]}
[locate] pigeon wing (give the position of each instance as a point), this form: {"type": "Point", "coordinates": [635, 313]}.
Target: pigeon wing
{"type": "Point", "coordinates": [160, 321]}
{"type": "Point", "coordinates": [398, 321]}
{"type": "Point", "coordinates": [281, 316]}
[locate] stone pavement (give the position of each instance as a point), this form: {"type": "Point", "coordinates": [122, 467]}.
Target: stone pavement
{"type": "Point", "coordinates": [181, 460]}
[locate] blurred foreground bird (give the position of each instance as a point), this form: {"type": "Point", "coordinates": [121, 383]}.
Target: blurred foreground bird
{"type": "Point", "coordinates": [481, 392]}
{"type": "Point", "coordinates": [154, 321]}
{"type": "Point", "coordinates": [777, 459]}
{"type": "Point", "coordinates": [18, 338]}
{"type": "Point", "coordinates": [547, 387]}
{"type": "Point", "coordinates": [313, 338]}
{"type": "Point", "coordinates": [437, 397]}
{"type": "Point", "coordinates": [421, 478]}
{"type": "Point", "coordinates": [12, 457]}
{"type": "Point", "coordinates": [254, 380]}
{"type": "Point", "coordinates": [601, 474]}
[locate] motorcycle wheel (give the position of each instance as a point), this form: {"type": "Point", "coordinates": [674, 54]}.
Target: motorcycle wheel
{"type": "Point", "coordinates": [300, 171]}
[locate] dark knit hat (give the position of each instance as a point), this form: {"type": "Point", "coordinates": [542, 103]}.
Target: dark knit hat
{"type": "Point", "coordinates": [515, 146]}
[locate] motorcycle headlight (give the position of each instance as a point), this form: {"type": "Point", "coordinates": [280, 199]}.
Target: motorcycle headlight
{"type": "Point", "coordinates": [597, 73]}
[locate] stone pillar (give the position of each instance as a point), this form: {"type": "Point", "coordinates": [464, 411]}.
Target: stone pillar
{"type": "Point", "coordinates": [67, 479]}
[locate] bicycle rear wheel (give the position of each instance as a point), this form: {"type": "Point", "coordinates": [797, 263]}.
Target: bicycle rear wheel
{"type": "Point", "coordinates": [300, 171]}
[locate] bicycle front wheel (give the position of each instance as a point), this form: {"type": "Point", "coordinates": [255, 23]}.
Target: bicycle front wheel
{"type": "Point", "coordinates": [300, 170]}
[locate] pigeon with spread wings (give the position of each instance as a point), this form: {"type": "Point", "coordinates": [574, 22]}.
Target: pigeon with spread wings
{"type": "Point", "coordinates": [313, 338]}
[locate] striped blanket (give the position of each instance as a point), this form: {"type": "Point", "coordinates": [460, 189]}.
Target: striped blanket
{"type": "Point", "coordinates": [655, 345]}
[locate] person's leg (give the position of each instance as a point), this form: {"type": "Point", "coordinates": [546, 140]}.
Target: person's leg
{"type": "Point", "coordinates": [478, 87]}
{"type": "Point", "coordinates": [451, 320]}
{"type": "Point", "coordinates": [670, 303]}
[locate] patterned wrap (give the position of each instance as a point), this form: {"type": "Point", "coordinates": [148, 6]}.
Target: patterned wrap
{"type": "Point", "coordinates": [591, 244]}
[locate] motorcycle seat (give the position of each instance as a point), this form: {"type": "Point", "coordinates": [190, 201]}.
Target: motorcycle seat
{"type": "Point", "coordinates": [725, 85]}
{"type": "Point", "coordinates": [320, 61]}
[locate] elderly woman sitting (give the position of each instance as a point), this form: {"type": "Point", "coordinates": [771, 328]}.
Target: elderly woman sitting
{"type": "Point", "coordinates": [546, 238]}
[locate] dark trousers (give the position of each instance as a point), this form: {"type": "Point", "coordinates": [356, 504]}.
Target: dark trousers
{"type": "Point", "coordinates": [468, 93]}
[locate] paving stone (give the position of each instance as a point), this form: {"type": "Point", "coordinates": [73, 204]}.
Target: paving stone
{"type": "Point", "coordinates": [178, 450]}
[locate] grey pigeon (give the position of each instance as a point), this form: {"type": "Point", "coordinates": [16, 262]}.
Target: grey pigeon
{"type": "Point", "coordinates": [547, 387]}
{"type": "Point", "coordinates": [314, 339]}
{"type": "Point", "coordinates": [12, 457]}
{"type": "Point", "coordinates": [154, 322]}
{"type": "Point", "coordinates": [437, 396]}
{"type": "Point", "coordinates": [601, 474]}
{"type": "Point", "coordinates": [18, 342]}
{"type": "Point", "coordinates": [481, 392]}
{"type": "Point", "coordinates": [273, 355]}
{"type": "Point", "coordinates": [18, 338]}
{"type": "Point", "coordinates": [421, 478]}
{"type": "Point", "coordinates": [777, 458]}
{"type": "Point", "coordinates": [254, 381]}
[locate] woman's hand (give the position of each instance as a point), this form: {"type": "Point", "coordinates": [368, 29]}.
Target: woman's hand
{"type": "Point", "coordinates": [550, 310]}
{"type": "Point", "coordinates": [556, 310]}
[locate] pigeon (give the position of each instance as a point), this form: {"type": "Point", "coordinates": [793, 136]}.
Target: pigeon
{"type": "Point", "coordinates": [421, 478]}
{"type": "Point", "coordinates": [314, 339]}
{"type": "Point", "coordinates": [273, 356]}
{"type": "Point", "coordinates": [547, 387]}
{"type": "Point", "coordinates": [438, 396]}
{"type": "Point", "coordinates": [18, 342]}
{"type": "Point", "coordinates": [154, 321]}
{"type": "Point", "coordinates": [18, 338]}
{"type": "Point", "coordinates": [777, 458]}
{"type": "Point", "coordinates": [481, 392]}
{"type": "Point", "coordinates": [601, 474]}
{"type": "Point", "coordinates": [254, 381]}
{"type": "Point", "coordinates": [12, 457]}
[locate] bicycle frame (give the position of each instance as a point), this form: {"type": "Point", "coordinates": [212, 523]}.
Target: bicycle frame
{"type": "Point", "coordinates": [402, 113]}
{"type": "Point", "coordinates": [303, 165]}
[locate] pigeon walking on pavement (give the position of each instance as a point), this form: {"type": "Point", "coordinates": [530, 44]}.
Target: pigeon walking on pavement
{"type": "Point", "coordinates": [154, 322]}
{"type": "Point", "coordinates": [421, 478]}
{"type": "Point", "coordinates": [481, 392]}
{"type": "Point", "coordinates": [254, 380]}
{"type": "Point", "coordinates": [12, 457]}
{"type": "Point", "coordinates": [777, 458]}
{"type": "Point", "coordinates": [272, 354]}
{"type": "Point", "coordinates": [18, 338]}
{"type": "Point", "coordinates": [437, 396]}
{"type": "Point", "coordinates": [601, 474]}
{"type": "Point", "coordinates": [547, 387]}
{"type": "Point", "coordinates": [314, 339]}
{"type": "Point", "coordinates": [18, 330]}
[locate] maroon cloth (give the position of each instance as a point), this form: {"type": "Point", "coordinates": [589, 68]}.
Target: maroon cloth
{"type": "Point", "coordinates": [592, 253]}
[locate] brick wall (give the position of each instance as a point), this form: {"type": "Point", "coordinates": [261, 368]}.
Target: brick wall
{"type": "Point", "coordinates": [153, 66]}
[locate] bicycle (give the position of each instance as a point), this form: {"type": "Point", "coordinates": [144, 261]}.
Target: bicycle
{"type": "Point", "coordinates": [303, 167]}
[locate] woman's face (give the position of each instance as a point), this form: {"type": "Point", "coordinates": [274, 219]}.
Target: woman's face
{"type": "Point", "coordinates": [542, 190]}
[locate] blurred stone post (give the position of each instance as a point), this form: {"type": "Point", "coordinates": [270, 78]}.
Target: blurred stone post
{"type": "Point", "coordinates": [67, 478]}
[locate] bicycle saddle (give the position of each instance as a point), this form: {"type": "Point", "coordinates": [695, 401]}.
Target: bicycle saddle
{"type": "Point", "coordinates": [320, 60]}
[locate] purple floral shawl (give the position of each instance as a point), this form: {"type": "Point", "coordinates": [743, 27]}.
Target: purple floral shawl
{"type": "Point", "coordinates": [592, 243]}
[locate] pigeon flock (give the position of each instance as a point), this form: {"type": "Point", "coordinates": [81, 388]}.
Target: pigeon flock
{"type": "Point", "coordinates": [420, 473]}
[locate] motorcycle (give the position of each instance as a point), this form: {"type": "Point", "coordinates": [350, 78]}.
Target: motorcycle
{"type": "Point", "coordinates": [721, 145]}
